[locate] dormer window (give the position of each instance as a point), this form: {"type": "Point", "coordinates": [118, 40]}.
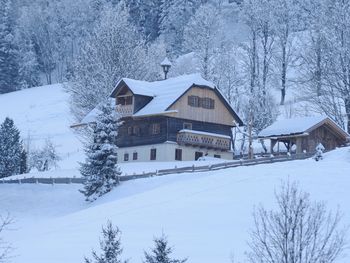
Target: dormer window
{"type": "Point", "coordinates": [124, 100]}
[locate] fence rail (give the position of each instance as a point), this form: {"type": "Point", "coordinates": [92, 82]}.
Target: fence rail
{"type": "Point", "coordinates": [188, 169]}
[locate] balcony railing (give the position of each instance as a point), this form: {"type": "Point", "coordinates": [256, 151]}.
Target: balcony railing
{"type": "Point", "coordinates": [125, 110]}
{"type": "Point", "coordinates": [205, 140]}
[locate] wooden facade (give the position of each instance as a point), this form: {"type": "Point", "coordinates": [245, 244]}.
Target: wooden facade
{"type": "Point", "coordinates": [326, 132]}
{"type": "Point", "coordinates": [218, 114]}
{"type": "Point", "coordinates": [138, 131]}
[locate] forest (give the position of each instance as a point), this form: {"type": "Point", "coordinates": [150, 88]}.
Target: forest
{"type": "Point", "coordinates": [251, 49]}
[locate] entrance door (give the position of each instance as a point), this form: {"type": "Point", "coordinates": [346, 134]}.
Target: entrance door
{"type": "Point", "coordinates": [198, 155]}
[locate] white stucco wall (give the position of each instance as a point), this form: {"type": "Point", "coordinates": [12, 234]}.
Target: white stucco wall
{"type": "Point", "coordinates": [166, 153]}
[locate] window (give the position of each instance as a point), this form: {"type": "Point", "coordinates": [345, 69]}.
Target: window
{"type": "Point", "coordinates": [128, 100]}
{"type": "Point", "coordinates": [187, 125]}
{"type": "Point", "coordinates": [124, 100]}
{"type": "Point", "coordinates": [126, 157]}
{"type": "Point", "coordinates": [208, 103]}
{"type": "Point", "coordinates": [217, 156]}
{"type": "Point", "coordinates": [155, 128]}
{"type": "Point", "coordinates": [136, 130]}
{"type": "Point", "coordinates": [153, 154]}
{"type": "Point", "coordinates": [130, 130]}
{"type": "Point", "coordinates": [194, 101]}
{"type": "Point", "coordinates": [134, 156]}
{"type": "Point", "coordinates": [178, 154]}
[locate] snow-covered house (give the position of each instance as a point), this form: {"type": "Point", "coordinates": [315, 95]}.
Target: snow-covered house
{"type": "Point", "coordinates": [181, 118]}
{"type": "Point", "coordinates": [305, 133]}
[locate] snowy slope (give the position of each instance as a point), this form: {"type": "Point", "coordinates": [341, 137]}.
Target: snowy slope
{"type": "Point", "coordinates": [206, 215]}
{"type": "Point", "coordinates": [41, 113]}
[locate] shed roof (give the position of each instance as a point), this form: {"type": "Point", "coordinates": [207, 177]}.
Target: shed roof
{"type": "Point", "coordinates": [301, 125]}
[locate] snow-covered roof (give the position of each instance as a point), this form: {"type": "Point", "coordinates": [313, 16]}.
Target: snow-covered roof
{"type": "Point", "coordinates": [296, 126]}
{"type": "Point", "coordinates": [91, 116]}
{"type": "Point", "coordinates": [164, 92]}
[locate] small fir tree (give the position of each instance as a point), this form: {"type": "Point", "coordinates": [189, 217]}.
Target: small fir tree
{"type": "Point", "coordinates": [10, 149]}
{"type": "Point", "coordinates": [23, 167]}
{"type": "Point", "coordinates": [110, 246]}
{"type": "Point", "coordinates": [161, 252]}
{"type": "Point", "coordinates": [100, 168]}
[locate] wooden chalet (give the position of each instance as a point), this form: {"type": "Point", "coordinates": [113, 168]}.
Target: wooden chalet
{"type": "Point", "coordinates": [304, 134]}
{"type": "Point", "coordinates": [181, 118]}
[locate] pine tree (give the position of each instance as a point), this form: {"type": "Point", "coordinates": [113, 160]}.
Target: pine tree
{"type": "Point", "coordinates": [23, 167]}
{"type": "Point", "coordinates": [161, 252]}
{"type": "Point", "coordinates": [100, 168]}
{"type": "Point", "coordinates": [173, 19]}
{"type": "Point", "coordinates": [110, 246]}
{"type": "Point", "coordinates": [8, 49]}
{"type": "Point", "coordinates": [10, 149]}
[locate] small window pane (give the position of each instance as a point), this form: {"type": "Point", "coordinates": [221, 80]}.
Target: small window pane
{"type": "Point", "coordinates": [128, 100]}
{"type": "Point", "coordinates": [130, 130]}
{"type": "Point", "coordinates": [187, 126]}
{"type": "Point", "coordinates": [178, 154]}
{"type": "Point", "coordinates": [155, 128]}
{"type": "Point", "coordinates": [194, 101]}
{"type": "Point", "coordinates": [126, 157]}
{"type": "Point", "coordinates": [134, 156]}
{"type": "Point", "coordinates": [153, 154]}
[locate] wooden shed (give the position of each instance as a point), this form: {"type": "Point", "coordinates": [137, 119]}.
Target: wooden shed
{"type": "Point", "coordinates": [304, 134]}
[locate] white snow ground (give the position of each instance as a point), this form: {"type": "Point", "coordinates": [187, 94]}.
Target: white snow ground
{"type": "Point", "coordinates": [206, 215]}
{"type": "Point", "coordinates": [43, 113]}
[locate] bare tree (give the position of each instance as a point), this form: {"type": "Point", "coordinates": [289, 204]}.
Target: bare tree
{"type": "Point", "coordinates": [5, 248]}
{"type": "Point", "coordinates": [299, 231]}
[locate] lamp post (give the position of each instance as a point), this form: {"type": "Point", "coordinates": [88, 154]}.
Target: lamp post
{"type": "Point", "coordinates": [166, 65]}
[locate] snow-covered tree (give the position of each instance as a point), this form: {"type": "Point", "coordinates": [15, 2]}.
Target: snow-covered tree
{"type": "Point", "coordinates": [8, 48]}
{"type": "Point", "coordinates": [5, 247]}
{"type": "Point", "coordinates": [203, 34]}
{"type": "Point", "coordinates": [110, 245]}
{"type": "Point", "coordinates": [286, 20]}
{"type": "Point", "coordinates": [174, 16]}
{"type": "Point", "coordinates": [145, 15]}
{"type": "Point", "coordinates": [24, 167]}
{"type": "Point", "coordinates": [10, 149]}
{"type": "Point", "coordinates": [161, 253]}
{"type": "Point", "coordinates": [114, 50]}
{"type": "Point", "coordinates": [100, 168]}
{"type": "Point", "coordinates": [45, 158]}
{"type": "Point", "coordinates": [29, 70]}
{"type": "Point", "coordinates": [297, 231]}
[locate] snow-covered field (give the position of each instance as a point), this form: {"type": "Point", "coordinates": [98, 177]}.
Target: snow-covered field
{"type": "Point", "coordinates": [207, 216]}
{"type": "Point", "coordinates": [43, 113]}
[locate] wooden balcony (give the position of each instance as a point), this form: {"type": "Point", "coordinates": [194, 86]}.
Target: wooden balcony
{"type": "Point", "coordinates": [203, 139]}
{"type": "Point", "coordinates": [125, 110]}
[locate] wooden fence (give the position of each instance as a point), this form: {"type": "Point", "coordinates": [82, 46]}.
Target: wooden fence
{"type": "Point", "coordinates": [188, 169]}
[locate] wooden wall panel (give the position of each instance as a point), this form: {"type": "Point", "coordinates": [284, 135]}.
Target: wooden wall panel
{"type": "Point", "coordinates": [220, 114]}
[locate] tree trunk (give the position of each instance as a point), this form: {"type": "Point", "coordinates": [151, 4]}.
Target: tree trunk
{"type": "Point", "coordinates": [283, 76]}
{"type": "Point", "coordinates": [347, 110]}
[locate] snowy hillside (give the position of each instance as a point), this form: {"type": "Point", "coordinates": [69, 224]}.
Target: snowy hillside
{"type": "Point", "coordinates": [206, 215]}
{"type": "Point", "coordinates": [43, 113]}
